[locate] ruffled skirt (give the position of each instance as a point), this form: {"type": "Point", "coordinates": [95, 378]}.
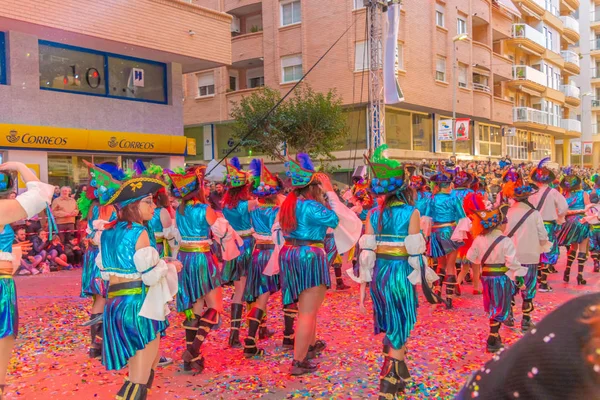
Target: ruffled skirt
{"type": "Point", "coordinates": [258, 284]}
{"type": "Point", "coordinates": [497, 294]}
{"type": "Point", "coordinates": [198, 277]}
{"type": "Point", "coordinates": [301, 268]}
{"type": "Point", "coordinates": [125, 332]}
{"type": "Point", "coordinates": [9, 310]}
{"type": "Point", "coordinates": [551, 257]}
{"type": "Point", "coordinates": [394, 300]}
{"type": "Point", "coordinates": [330, 249]}
{"type": "Point", "coordinates": [238, 267]}
{"type": "Point", "coordinates": [91, 280]}
{"type": "Point", "coordinates": [573, 231]}
{"type": "Point", "coordinates": [440, 242]}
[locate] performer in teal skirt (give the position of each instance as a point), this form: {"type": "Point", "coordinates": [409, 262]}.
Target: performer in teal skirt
{"type": "Point", "coordinates": [140, 282]}
{"type": "Point", "coordinates": [27, 205]}
{"type": "Point", "coordinates": [392, 247]}
{"type": "Point", "coordinates": [304, 219]}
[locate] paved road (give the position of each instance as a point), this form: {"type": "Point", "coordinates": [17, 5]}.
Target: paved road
{"type": "Point", "coordinates": [50, 360]}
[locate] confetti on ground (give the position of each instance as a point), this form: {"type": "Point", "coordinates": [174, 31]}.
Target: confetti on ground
{"type": "Point", "coordinates": [50, 358]}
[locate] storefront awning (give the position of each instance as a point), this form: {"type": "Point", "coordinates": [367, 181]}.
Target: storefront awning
{"type": "Point", "coordinates": [69, 139]}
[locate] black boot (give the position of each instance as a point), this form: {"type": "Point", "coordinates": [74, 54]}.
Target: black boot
{"type": "Point", "coordinates": [192, 357]}
{"type": "Point", "coordinates": [526, 323]}
{"type": "Point", "coordinates": [150, 380]}
{"type": "Point", "coordinates": [543, 281]}
{"type": "Point", "coordinates": [596, 263]}
{"type": "Point", "coordinates": [450, 286]}
{"type": "Point", "coordinates": [390, 381]}
{"type": "Point", "coordinates": [251, 349]}
{"type": "Point", "coordinates": [191, 330]}
{"type": "Point", "coordinates": [289, 315]}
{"type": "Point", "coordinates": [132, 391]}
{"type": "Point", "coordinates": [581, 258]}
{"type": "Point", "coordinates": [96, 336]}
{"type": "Point", "coordinates": [494, 342]}
{"type": "Point", "coordinates": [236, 322]}
{"type": "Point", "coordinates": [570, 258]}
{"type": "Point", "coordinates": [339, 282]}
{"type": "Point", "coordinates": [510, 321]}
{"type": "Point", "coordinates": [263, 330]}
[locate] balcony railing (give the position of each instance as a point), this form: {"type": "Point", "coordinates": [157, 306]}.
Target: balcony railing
{"type": "Point", "coordinates": [525, 114]}
{"type": "Point", "coordinates": [594, 17]}
{"type": "Point", "coordinates": [571, 125]}
{"type": "Point", "coordinates": [524, 31]}
{"type": "Point", "coordinates": [481, 87]}
{"type": "Point", "coordinates": [523, 72]}
{"type": "Point", "coordinates": [570, 23]}
{"type": "Point", "coordinates": [570, 57]}
{"type": "Point", "coordinates": [570, 90]}
{"type": "Point", "coordinates": [595, 44]}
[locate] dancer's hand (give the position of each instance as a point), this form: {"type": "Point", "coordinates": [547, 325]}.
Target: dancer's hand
{"type": "Point", "coordinates": [178, 265]}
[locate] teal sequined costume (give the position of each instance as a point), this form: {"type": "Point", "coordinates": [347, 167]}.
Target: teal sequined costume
{"type": "Point", "coordinates": [302, 259]}
{"type": "Point", "coordinates": [9, 311]}
{"type": "Point", "coordinates": [239, 219]}
{"type": "Point", "coordinates": [394, 297]}
{"type": "Point", "coordinates": [125, 332]}
{"type": "Point", "coordinates": [92, 283]}
{"type": "Point", "coordinates": [574, 230]}
{"type": "Point", "coordinates": [156, 228]}
{"type": "Point", "coordinates": [422, 201]}
{"type": "Point", "coordinates": [445, 209]}
{"type": "Point", "coordinates": [200, 274]}
{"type": "Point", "coordinates": [263, 218]}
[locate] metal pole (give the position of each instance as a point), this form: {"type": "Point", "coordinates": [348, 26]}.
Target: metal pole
{"type": "Point", "coordinates": [454, 84]}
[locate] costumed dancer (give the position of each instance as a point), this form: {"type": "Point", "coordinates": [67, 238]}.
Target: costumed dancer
{"type": "Point", "coordinates": [525, 227]}
{"type": "Point", "coordinates": [304, 218]}
{"type": "Point", "coordinates": [259, 286]}
{"type": "Point", "coordinates": [200, 278]}
{"type": "Point", "coordinates": [92, 283]}
{"type": "Point", "coordinates": [391, 259]}
{"type": "Point", "coordinates": [553, 207]}
{"type": "Point", "coordinates": [472, 203]}
{"type": "Point", "coordinates": [595, 228]}
{"type": "Point", "coordinates": [463, 181]}
{"type": "Point", "coordinates": [496, 255]}
{"type": "Point", "coordinates": [140, 282]}
{"type": "Point", "coordinates": [575, 231]}
{"type": "Point", "coordinates": [236, 210]}
{"type": "Point", "coordinates": [26, 205]}
{"type": "Point", "coordinates": [449, 226]}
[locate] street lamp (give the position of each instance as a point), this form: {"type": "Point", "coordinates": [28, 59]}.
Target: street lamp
{"type": "Point", "coordinates": [457, 38]}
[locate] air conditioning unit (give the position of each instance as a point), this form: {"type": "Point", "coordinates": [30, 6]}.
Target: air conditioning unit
{"type": "Point", "coordinates": [235, 25]}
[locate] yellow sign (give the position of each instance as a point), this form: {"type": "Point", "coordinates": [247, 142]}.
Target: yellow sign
{"type": "Point", "coordinates": [52, 138]}
{"type": "Point", "coordinates": [35, 168]}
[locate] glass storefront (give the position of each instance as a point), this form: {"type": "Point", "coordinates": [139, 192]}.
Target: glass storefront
{"type": "Point", "coordinates": [490, 140]}
{"type": "Point", "coordinates": [69, 170]}
{"type": "Point", "coordinates": [516, 146]}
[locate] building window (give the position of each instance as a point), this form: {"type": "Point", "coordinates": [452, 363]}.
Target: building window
{"type": "Point", "coordinates": [439, 15]}
{"type": "Point", "coordinates": [361, 56]}
{"type": "Point", "coordinates": [462, 75]}
{"type": "Point", "coordinates": [359, 4]}
{"type": "Point", "coordinates": [290, 12]}
{"type": "Point", "coordinates": [490, 141]}
{"type": "Point", "coordinates": [461, 26]}
{"type": "Point", "coordinates": [76, 70]}
{"type": "Point", "coordinates": [400, 55]}
{"type": "Point", "coordinates": [481, 82]}
{"type": "Point", "coordinates": [422, 130]}
{"type": "Point", "coordinates": [516, 146]}
{"type": "Point", "coordinates": [257, 82]}
{"type": "Point", "coordinates": [542, 146]}
{"type": "Point", "coordinates": [2, 59]}
{"type": "Point", "coordinates": [291, 68]}
{"type": "Point", "coordinates": [255, 77]}
{"type": "Point", "coordinates": [440, 69]}
{"type": "Point", "coordinates": [206, 84]}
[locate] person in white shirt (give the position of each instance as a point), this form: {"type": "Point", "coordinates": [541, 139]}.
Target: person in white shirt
{"type": "Point", "coordinates": [525, 227]}
{"type": "Point", "coordinates": [553, 207]}
{"type": "Point", "coordinates": [497, 256]}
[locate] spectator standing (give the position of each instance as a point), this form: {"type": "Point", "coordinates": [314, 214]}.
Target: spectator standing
{"type": "Point", "coordinates": [56, 192]}
{"type": "Point", "coordinates": [216, 197]}
{"type": "Point", "coordinates": [65, 212]}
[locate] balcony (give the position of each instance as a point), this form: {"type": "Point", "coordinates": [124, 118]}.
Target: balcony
{"type": "Point", "coordinates": [595, 47]}
{"type": "Point", "coordinates": [529, 39]}
{"type": "Point", "coordinates": [525, 115]}
{"type": "Point", "coordinates": [595, 20]}
{"type": "Point", "coordinates": [537, 6]}
{"type": "Point", "coordinates": [572, 95]}
{"type": "Point", "coordinates": [502, 67]}
{"type": "Point", "coordinates": [247, 47]}
{"type": "Point", "coordinates": [595, 105]}
{"type": "Point", "coordinates": [571, 125]}
{"type": "Point", "coordinates": [230, 5]}
{"type": "Point", "coordinates": [571, 62]}
{"type": "Point", "coordinates": [569, 6]}
{"type": "Point", "coordinates": [525, 76]}
{"type": "Point", "coordinates": [234, 98]}
{"type": "Point", "coordinates": [481, 54]}
{"type": "Point", "coordinates": [571, 28]}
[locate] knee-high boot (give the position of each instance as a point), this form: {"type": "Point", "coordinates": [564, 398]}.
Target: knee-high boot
{"type": "Point", "coordinates": [543, 281]}
{"type": "Point", "coordinates": [192, 357]}
{"type": "Point", "coordinates": [390, 381]}
{"type": "Point", "coordinates": [236, 322]}
{"type": "Point", "coordinates": [251, 348]}
{"type": "Point", "coordinates": [263, 331]}
{"type": "Point", "coordinates": [570, 258]}
{"type": "Point", "coordinates": [191, 330]}
{"type": "Point", "coordinates": [494, 342]}
{"type": "Point", "coordinates": [450, 286]}
{"type": "Point", "coordinates": [526, 323]}
{"type": "Point", "coordinates": [132, 391]}
{"type": "Point", "coordinates": [581, 258]}
{"type": "Point", "coordinates": [289, 315]}
{"type": "Point", "coordinates": [96, 336]}
{"type": "Point", "coordinates": [595, 254]}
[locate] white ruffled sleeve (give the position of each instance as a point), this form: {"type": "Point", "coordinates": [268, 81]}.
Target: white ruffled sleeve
{"type": "Point", "coordinates": [426, 224]}
{"type": "Point", "coordinates": [98, 228]}
{"type": "Point", "coordinates": [272, 267]}
{"type": "Point", "coordinates": [228, 239]}
{"type": "Point", "coordinates": [36, 198]}
{"type": "Point", "coordinates": [349, 228]}
{"type": "Point", "coordinates": [416, 246]}
{"type": "Point", "coordinates": [105, 276]}
{"type": "Point", "coordinates": [366, 262]}
{"type": "Point", "coordinates": [462, 228]}
{"type": "Point", "coordinates": [161, 279]}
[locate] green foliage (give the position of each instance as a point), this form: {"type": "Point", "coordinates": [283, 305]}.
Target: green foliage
{"type": "Point", "coordinates": [308, 122]}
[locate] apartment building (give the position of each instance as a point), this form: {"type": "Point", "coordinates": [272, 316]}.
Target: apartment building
{"type": "Point", "coordinates": [100, 82]}
{"type": "Point", "coordinates": [515, 65]}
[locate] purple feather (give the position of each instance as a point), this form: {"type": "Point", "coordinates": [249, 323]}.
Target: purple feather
{"type": "Point", "coordinates": [139, 167]}
{"type": "Point", "coordinates": [305, 161]}
{"type": "Point", "coordinates": [255, 167]}
{"type": "Point", "coordinates": [543, 162]}
{"type": "Point", "coordinates": [235, 162]}
{"type": "Point", "coordinates": [116, 172]}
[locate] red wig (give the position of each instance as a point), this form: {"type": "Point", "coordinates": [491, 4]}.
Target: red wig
{"type": "Point", "coordinates": [287, 212]}
{"type": "Point", "coordinates": [234, 195]}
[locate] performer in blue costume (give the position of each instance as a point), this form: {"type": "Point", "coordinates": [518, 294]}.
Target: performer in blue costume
{"type": "Point", "coordinates": [236, 210]}
{"type": "Point", "coordinates": [575, 231]}
{"type": "Point", "coordinates": [595, 228]}
{"type": "Point", "coordinates": [391, 251]}
{"type": "Point", "coordinates": [140, 282]}
{"type": "Point", "coordinates": [448, 231]}
{"type": "Point", "coordinates": [27, 205]}
{"type": "Point", "coordinates": [200, 278]}
{"type": "Point", "coordinates": [92, 283]}
{"type": "Point", "coordinates": [463, 181]}
{"type": "Point", "coordinates": [423, 195]}
{"type": "Point", "coordinates": [259, 286]}
{"type": "Point", "coordinates": [304, 218]}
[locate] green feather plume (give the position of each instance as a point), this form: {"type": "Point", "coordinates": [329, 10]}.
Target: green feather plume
{"type": "Point", "coordinates": [380, 158]}
{"type": "Point", "coordinates": [84, 204]}
{"type": "Point", "coordinates": [154, 170]}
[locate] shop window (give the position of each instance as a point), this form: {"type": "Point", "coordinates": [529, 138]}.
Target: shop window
{"type": "Point", "coordinates": [291, 68]}
{"type": "Point", "coordinates": [397, 129]}
{"type": "Point", "coordinates": [206, 84]}
{"type": "Point", "coordinates": [68, 170]}
{"type": "Point", "coordinates": [542, 146]}
{"type": "Point", "coordinates": [462, 146]}
{"type": "Point", "coordinates": [422, 130]}
{"type": "Point", "coordinates": [516, 146]}
{"type": "Point", "coordinates": [291, 12]}
{"type": "Point", "coordinates": [136, 79]}
{"type": "Point", "coordinates": [2, 59]}
{"type": "Point", "coordinates": [490, 141]}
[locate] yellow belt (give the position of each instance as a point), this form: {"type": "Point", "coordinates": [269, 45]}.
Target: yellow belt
{"type": "Point", "coordinates": [125, 292]}
{"type": "Point", "coordinates": [195, 248]}
{"type": "Point", "coordinates": [6, 277]}
{"type": "Point", "coordinates": [260, 241]}
{"type": "Point", "coordinates": [399, 251]}
{"type": "Point", "coordinates": [444, 225]}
